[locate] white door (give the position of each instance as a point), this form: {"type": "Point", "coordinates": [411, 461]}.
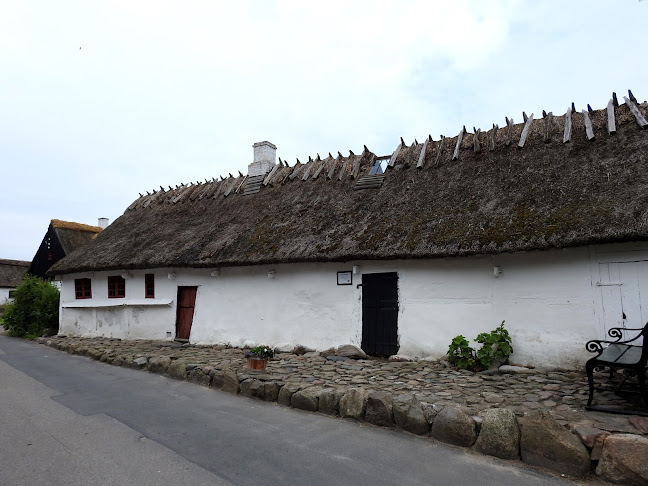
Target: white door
{"type": "Point", "coordinates": [624, 294]}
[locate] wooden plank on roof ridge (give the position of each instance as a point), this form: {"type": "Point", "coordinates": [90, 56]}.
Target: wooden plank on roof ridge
{"type": "Point", "coordinates": [568, 125]}
{"type": "Point", "coordinates": [297, 168]}
{"type": "Point", "coordinates": [455, 155]}
{"type": "Point", "coordinates": [476, 147]}
{"type": "Point", "coordinates": [189, 194]}
{"type": "Point", "coordinates": [135, 203]}
{"type": "Point", "coordinates": [525, 130]}
{"type": "Point", "coordinates": [206, 190]}
{"type": "Point", "coordinates": [320, 168]}
{"type": "Point", "coordinates": [392, 160]}
{"type": "Point", "coordinates": [307, 171]}
{"type": "Point", "coordinates": [331, 172]}
{"type": "Point", "coordinates": [211, 191]}
{"type": "Point", "coordinates": [548, 120]}
{"type": "Point", "coordinates": [589, 129]}
{"type": "Point", "coordinates": [206, 187]}
{"type": "Point", "coordinates": [221, 186]}
{"type": "Point", "coordinates": [637, 114]}
{"type": "Point", "coordinates": [343, 170]}
{"type": "Point", "coordinates": [231, 186]}
{"type": "Point", "coordinates": [441, 145]}
{"type": "Point", "coordinates": [274, 170]}
{"type": "Point", "coordinates": [241, 184]}
{"type": "Point", "coordinates": [178, 197]}
{"type": "Point", "coordinates": [611, 122]}
{"type": "Point", "coordinates": [493, 137]}
{"type": "Point", "coordinates": [421, 159]}
{"type": "Point", "coordinates": [356, 167]}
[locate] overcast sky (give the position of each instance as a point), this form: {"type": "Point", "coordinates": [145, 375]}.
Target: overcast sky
{"type": "Point", "coordinates": [100, 101]}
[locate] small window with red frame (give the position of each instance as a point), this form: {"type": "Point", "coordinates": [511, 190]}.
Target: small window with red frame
{"type": "Point", "coordinates": [116, 287]}
{"type": "Point", "coordinates": [149, 286]}
{"type": "Point", "coordinates": [82, 288]}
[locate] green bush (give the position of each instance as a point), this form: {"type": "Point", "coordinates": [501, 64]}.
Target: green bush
{"type": "Point", "coordinates": [35, 309]}
{"type": "Point", "coordinates": [496, 346]}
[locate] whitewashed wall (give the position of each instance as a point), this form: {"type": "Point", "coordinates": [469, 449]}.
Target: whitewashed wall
{"type": "Point", "coordinates": [4, 294]}
{"type": "Point", "coordinates": [550, 301]}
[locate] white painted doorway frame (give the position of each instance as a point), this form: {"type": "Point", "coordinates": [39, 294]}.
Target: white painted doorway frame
{"type": "Point", "coordinates": [619, 285]}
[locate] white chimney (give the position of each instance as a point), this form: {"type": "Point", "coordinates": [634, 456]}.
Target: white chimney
{"type": "Point", "coordinates": [103, 223]}
{"type": "Point", "coordinates": [265, 155]}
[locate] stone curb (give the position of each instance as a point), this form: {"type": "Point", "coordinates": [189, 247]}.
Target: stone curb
{"type": "Point", "coordinates": [537, 439]}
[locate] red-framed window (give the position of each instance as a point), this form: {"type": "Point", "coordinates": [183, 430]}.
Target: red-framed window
{"type": "Point", "coordinates": [116, 287]}
{"type": "Point", "coordinates": [149, 286]}
{"type": "Point", "coordinates": [82, 288]}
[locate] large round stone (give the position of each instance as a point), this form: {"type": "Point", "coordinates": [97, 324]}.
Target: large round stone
{"type": "Point", "coordinates": [408, 414]}
{"type": "Point", "coordinates": [379, 409]}
{"type": "Point", "coordinates": [454, 426]}
{"type": "Point", "coordinates": [624, 460]}
{"type": "Point", "coordinates": [353, 403]}
{"type": "Point", "coordinates": [546, 443]}
{"type": "Point", "coordinates": [307, 399]}
{"type": "Point", "coordinates": [499, 435]}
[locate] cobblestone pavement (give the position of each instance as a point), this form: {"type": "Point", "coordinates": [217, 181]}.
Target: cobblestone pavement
{"type": "Point", "coordinates": [563, 393]}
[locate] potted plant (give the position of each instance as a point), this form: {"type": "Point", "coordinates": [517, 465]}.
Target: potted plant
{"type": "Point", "coordinates": [257, 357]}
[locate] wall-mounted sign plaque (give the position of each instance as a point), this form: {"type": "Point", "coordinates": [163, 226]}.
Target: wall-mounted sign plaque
{"type": "Point", "coordinates": [344, 278]}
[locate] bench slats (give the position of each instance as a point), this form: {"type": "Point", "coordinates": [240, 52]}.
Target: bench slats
{"type": "Point", "coordinates": [631, 356]}
{"type": "Point", "coordinates": [613, 352]}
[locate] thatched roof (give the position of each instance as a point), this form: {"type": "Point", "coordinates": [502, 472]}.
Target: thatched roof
{"type": "Point", "coordinates": [12, 272]}
{"type": "Point", "coordinates": [73, 235]}
{"type": "Point", "coordinates": [492, 197]}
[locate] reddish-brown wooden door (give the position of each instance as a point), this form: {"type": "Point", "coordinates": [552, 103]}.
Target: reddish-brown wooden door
{"type": "Point", "coordinates": [184, 314]}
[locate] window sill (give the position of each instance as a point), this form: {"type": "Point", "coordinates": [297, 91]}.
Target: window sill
{"type": "Point", "coordinates": [90, 303]}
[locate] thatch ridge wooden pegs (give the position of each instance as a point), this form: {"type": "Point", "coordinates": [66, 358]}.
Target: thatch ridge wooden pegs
{"type": "Point", "coordinates": [331, 171]}
{"type": "Point", "coordinates": [509, 130]}
{"type": "Point", "coordinates": [395, 153]}
{"type": "Point", "coordinates": [589, 129]}
{"type": "Point", "coordinates": [568, 124]}
{"type": "Point", "coordinates": [525, 130]}
{"type": "Point", "coordinates": [641, 120]}
{"type": "Point", "coordinates": [421, 159]}
{"type": "Point", "coordinates": [476, 147]}
{"type": "Point", "coordinates": [493, 137]}
{"type": "Point", "coordinates": [548, 119]}
{"type": "Point", "coordinates": [611, 122]}
{"type": "Point", "coordinates": [441, 145]}
{"type": "Point", "coordinates": [455, 154]}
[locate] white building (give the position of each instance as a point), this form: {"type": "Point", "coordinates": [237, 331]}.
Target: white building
{"type": "Point", "coordinates": [457, 235]}
{"type": "Point", "coordinates": [11, 275]}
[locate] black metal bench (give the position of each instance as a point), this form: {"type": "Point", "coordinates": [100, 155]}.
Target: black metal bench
{"type": "Point", "coordinates": [617, 355]}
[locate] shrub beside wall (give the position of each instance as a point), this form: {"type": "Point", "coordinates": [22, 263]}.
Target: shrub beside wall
{"type": "Point", "coordinates": [34, 310]}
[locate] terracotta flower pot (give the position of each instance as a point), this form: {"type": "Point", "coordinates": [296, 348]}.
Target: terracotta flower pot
{"type": "Point", "coordinates": [257, 364]}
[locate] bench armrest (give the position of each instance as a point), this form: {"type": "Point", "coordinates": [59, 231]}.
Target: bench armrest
{"type": "Point", "coordinates": [596, 345]}
{"type": "Point", "coordinates": [617, 332]}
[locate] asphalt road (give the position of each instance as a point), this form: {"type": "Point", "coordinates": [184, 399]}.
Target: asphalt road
{"type": "Point", "coordinates": [68, 420]}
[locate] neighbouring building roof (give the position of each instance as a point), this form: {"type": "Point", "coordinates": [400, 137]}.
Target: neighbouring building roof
{"type": "Point", "coordinates": [73, 235]}
{"type": "Point", "coordinates": [550, 182]}
{"type": "Point", "coordinates": [61, 239]}
{"type": "Point", "coordinates": [12, 272]}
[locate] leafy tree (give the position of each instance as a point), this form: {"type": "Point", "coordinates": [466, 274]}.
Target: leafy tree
{"type": "Point", "coordinates": [35, 308]}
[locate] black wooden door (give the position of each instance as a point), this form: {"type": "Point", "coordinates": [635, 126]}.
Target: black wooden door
{"type": "Point", "coordinates": [185, 311]}
{"type": "Point", "coordinates": [380, 313]}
